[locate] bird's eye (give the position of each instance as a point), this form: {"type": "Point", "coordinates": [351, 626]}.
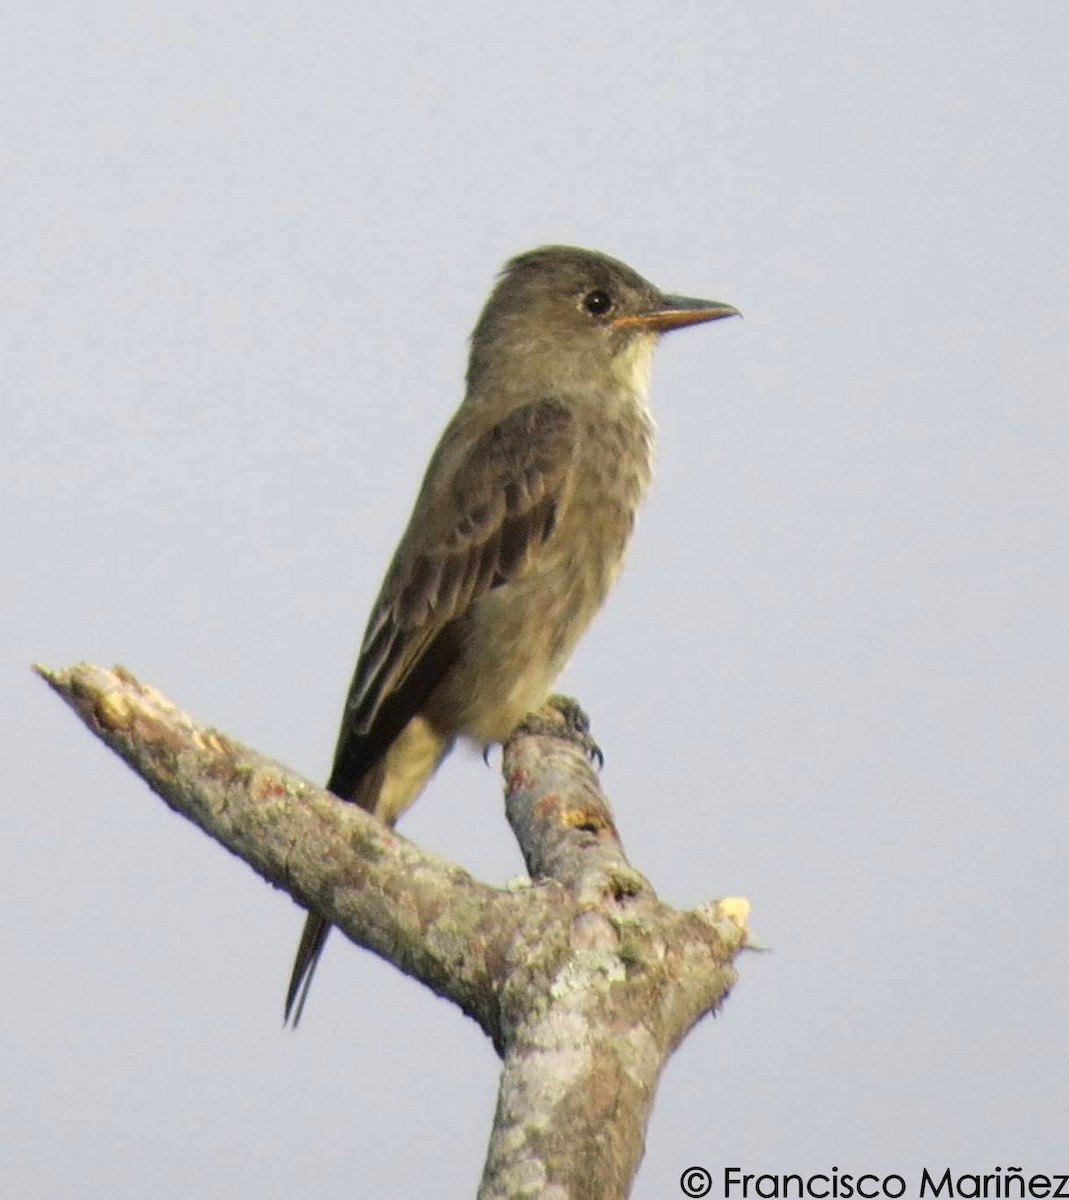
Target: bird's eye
{"type": "Point", "coordinates": [597, 303]}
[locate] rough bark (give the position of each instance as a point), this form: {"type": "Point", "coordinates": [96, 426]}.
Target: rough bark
{"type": "Point", "coordinates": [584, 980]}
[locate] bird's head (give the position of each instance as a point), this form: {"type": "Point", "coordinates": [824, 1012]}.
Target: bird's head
{"type": "Point", "coordinates": [573, 321]}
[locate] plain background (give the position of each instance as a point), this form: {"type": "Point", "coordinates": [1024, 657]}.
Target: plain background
{"type": "Point", "coordinates": [243, 245]}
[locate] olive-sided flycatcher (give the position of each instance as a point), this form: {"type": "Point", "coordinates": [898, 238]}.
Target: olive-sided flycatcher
{"type": "Point", "coordinates": [517, 534]}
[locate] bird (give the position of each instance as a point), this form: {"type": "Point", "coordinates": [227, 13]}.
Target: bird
{"type": "Point", "coordinates": [517, 534]}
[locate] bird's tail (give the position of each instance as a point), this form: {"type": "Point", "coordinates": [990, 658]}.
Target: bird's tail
{"type": "Point", "coordinates": [314, 935]}
{"type": "Point", "coordinates": [418, 749]}
{"type": "Point", "coordinates": [313, 939]}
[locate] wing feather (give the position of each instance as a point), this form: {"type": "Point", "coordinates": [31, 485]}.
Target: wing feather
{"type": "Point", "coordinates": [484, 511]}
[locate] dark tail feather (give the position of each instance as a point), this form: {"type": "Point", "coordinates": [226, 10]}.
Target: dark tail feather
{"type": "Point", "coordinates": [316, 928]}
{"type": "Point", "coordinates": [313, 938]}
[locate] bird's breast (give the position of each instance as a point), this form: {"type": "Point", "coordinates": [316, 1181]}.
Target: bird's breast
{"type": "Point", "coordinates": [613, 468]}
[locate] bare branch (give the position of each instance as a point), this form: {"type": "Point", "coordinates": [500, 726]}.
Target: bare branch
{"type": "Point", "coordinates": [604, 992]}
{"type": "Point", "coordinates": [584, 980]}
{"type": "Point", "coordinates": [423, 914]}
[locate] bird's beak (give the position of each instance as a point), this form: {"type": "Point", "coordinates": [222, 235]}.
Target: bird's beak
{"type": "Point", "coordinates": [675, 312]}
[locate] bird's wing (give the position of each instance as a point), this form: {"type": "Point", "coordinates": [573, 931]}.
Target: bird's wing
{"type": "Point", "coordinates": [478, 528]}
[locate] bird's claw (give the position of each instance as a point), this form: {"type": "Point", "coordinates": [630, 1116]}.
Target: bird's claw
{"type": "Point", "coordinates": [579, 727]}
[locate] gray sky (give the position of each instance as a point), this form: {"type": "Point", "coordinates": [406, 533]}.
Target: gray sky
{"type": "Point", "coordinates": [243, 248]}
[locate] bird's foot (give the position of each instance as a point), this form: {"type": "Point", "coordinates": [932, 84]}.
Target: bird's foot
{"type": "Point", "coordinates": [568, 718]}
